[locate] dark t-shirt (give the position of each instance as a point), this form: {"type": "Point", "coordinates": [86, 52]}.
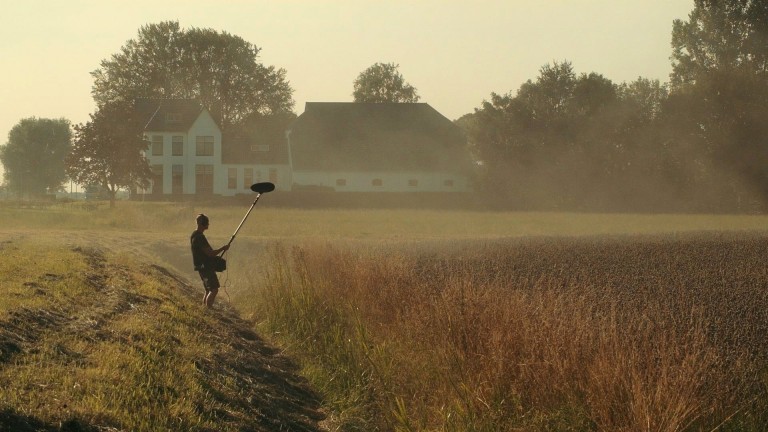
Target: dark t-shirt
{"type": "Point", "coordinates": [199, 243]}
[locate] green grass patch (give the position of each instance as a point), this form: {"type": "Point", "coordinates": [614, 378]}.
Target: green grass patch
{"type": "Point", "coordinates": [377, 225]}
{"type": "Point", "coordinates": [93, 340]}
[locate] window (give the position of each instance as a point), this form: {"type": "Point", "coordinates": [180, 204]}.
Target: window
{"type": "Point", "coordinates": [232, 178]}
{"type": "Point", "coordinates": [273, 175]}
{"type": "Point", "coordinates": [157, 179]}
{"type": "Point", "coordinates": [247, 177]}
{"type": "Point", "coordinates": [157, 145]}
{"type": "Point", "coordinates": [377, 182]}
{"type": "Point", "coordinates": [413, 182]}
{"type": "Point", "coordinates": [448, 183]}
{"type": "Point", "coordinates": [204, 179]}
{"type": "Point", "coordinates": [260, 148]}
{"type": "Point", "coordinates": [341, 182]}
{"type": "Point", "coordinates": [204, 145]}
{"type": "Point", "coordinates": [177, 145]}
{"type": "Point", "coordinates": [173, 117]}
{"type": "Point", "coordinates": [177, 180]}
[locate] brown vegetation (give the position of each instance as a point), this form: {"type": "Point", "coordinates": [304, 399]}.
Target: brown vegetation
{"type": "Point", "coordinates": [627, 333]}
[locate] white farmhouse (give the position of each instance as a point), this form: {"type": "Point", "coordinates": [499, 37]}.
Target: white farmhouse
{"type": "Point", "coordinates": [343, 147]}
{"type": "Point", "coordinates": [189, 155]}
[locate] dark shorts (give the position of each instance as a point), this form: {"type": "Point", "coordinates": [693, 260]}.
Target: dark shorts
{"type": "Point", "coordinates": [210, 280]}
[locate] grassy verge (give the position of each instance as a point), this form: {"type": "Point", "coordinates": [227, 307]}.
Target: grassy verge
{"type": "Point", "coordinates": [595, 333]}
{"type": "Point", "coordinates": [92, 341]}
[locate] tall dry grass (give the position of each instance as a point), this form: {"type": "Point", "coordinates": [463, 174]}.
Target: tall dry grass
{"type": "Point", "coordinates": [610, 334]}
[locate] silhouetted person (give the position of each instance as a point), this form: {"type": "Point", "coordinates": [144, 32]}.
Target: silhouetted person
{"type": "Point", "coordinates": [202, 256]}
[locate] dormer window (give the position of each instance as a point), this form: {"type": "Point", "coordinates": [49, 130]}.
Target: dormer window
{"type": "Point", "coordinates": [173, 117]}
{"type": "Point", "coordinates": [260, 147]}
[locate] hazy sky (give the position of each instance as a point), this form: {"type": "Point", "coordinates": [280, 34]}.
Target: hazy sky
{"type": "Point", "coordinates": [454, 52]}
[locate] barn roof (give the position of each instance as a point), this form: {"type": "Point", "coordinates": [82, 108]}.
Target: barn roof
{"type": "Point", "coordinates": [263, 147]}
{"type": "Point", "coordinates": [376, 136]}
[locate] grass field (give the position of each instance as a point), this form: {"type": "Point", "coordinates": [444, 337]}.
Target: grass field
{"type": "Point", "coordinates": [430, 320]}
{"type": "Point", "coordinates": [274, 223]}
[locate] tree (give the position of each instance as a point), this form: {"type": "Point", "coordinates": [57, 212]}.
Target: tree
{"type": "Point", "coordinates": [719, 89]}
{"type": "Point", "coordinates": [722, 36]}
{"type": "Point", "coordinates": [107, 151]}
{"type": "Point", "coordinates": [33, 158]}
{"type": "Point", "coordinates": [219, 69]}
{"type": "Point", "coordinates": [548, 98]}
{"type": "Point", "coordinates": [567, 140]}
{"type": "Point", "coordinates": [645, 96]}
{"type": "Point", "coordinates": [382, 83]}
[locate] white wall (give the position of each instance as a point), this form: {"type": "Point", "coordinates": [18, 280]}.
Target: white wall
{"type": "Point", "coordinates": [277, 174]}
{"type": "Point", "coordinates": [203, 126]}
{"type": "Point", "coordinates": [390, 182]}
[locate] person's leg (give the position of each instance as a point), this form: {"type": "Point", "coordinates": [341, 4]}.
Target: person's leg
{"type": "Point", "coordinates": [211, 296]}
{"type": "Point", "coordinates": [211, 283]}
{"type": "Point", "coordinates": [205, 287]}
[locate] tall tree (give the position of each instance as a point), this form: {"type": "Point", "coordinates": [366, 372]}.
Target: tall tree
{"type": "Point", "coordinates": [33, 157]}
{"type": "Point", "coordinates": [645, 96]}
{"type": "Point", "coordinates": [638, 140]}
{"type": "Point", "coordinates": [719, 88]}
{"type": "Point", "coordinates": [221, 70]}
{"type": "Point", "coordinates": [107, 151]}
{"type": "Point", "coordinates": [549, 96]}
{"type": "Point", "coordinates": [382, 83]}
{"type": "Point", "coordinates": [721, 36]}
{"type": "Point", "coordinates": [164, 61]}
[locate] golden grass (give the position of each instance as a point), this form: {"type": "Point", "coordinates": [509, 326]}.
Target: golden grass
{"type": "Point", "coordinates": [83, 344]}
{"type": "Point", "coordinates": [35, 276]}
{"type": "Point", "coordinates": [91, 341]}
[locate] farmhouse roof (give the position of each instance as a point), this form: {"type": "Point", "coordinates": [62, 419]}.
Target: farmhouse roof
{"type": "Point", "coordinates": [168, 115]}
{"type": "Point", "coordinates": [376, 136]}
{"type": "Point", "coordinates": [263, 147]}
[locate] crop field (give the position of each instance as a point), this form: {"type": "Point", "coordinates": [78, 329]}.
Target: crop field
{"type": "Point", "coordinates": [428, 320]}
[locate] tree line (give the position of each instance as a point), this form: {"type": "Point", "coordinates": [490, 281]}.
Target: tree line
{"type": "Point", "coordinates": [697, 143]}
{"type": "Point", "coordinates": [562, 140]}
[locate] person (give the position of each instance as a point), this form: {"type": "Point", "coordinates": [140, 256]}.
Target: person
{"type": "Point", "coordinates": [202, 252]}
